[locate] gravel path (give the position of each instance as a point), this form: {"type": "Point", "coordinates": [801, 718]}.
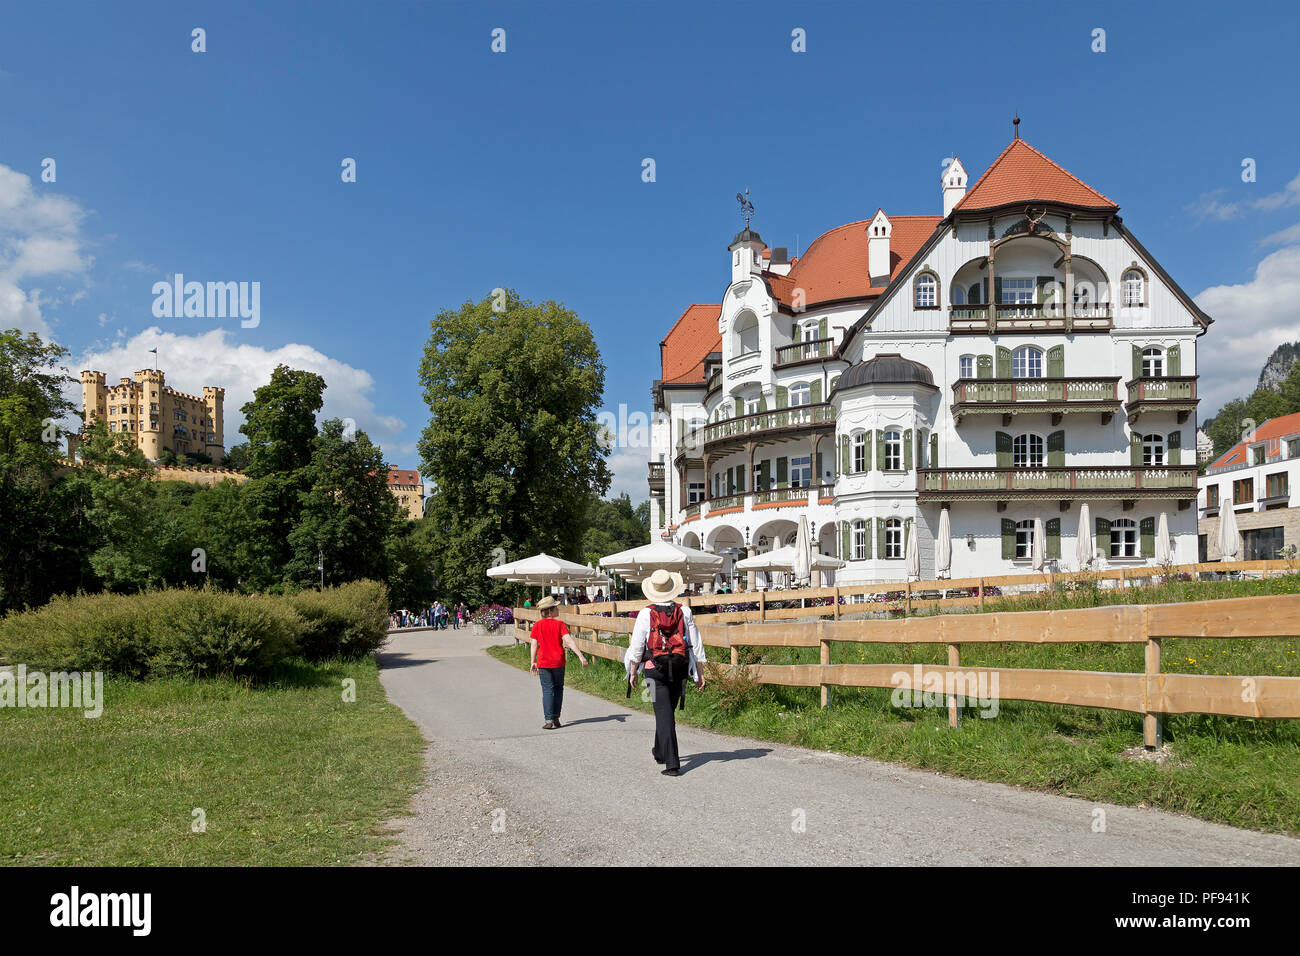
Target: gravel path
{"type": "Point", "coordinates": [502, 791]}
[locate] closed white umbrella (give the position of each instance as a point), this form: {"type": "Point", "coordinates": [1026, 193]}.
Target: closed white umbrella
{"type": "Point", "coordinates": [913, 557]}
{"type": "Point", "coordinates": [1162, 540]}
{"type": "Point", "coordinates": [1036, 551]}
{"type": "Point", "coordinates": [802, 565]}
{"type": "Point", "coordinates": [1229, 537]}
{"type": "Point", "coordinates": [943, 546]}
{"type": "Point", "coordinates": [1083, 545]}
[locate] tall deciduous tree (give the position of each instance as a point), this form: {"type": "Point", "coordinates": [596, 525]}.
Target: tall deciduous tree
{"type": "Point", "coordinates": [280, 422]}
{"type": "Point", "coordinates": [513, 447]}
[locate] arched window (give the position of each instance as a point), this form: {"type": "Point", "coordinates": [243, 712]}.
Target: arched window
{"type": "Point", "coordinates": [958, 295]}
{"type": "Point", "coordinates": [1153, 363]}
{"type": "Point", "coordinates": [1027, 362]}
{"type": "Point", "coordinates": [966, 367]}
{"type": "Point", "coordinates": [1153, 449]}
{"type": "Point", "coordinates": [746, 331]}
{"type": "Point", "coordinates": [1134, 288]}
{"type": "Point", "coordinates": [927, 291]}
{"type": "Point", "coordinates": [859, 452]}
{"type": "Point", "coordinates": [1027, 451]}
{"type": "Point", "coordinates": [801, 394]}
{"type": "Point", "coordinates": [894, 538]}
{"type": "Point", "coordinates": [1025, 538]}
{"type": "Point", "coordinates": [975, 294]}
{"type": "Point", "coordinates": [893, 451]}
{"type": "Point", "coordinates": [859, 540]}
{"type": "Point", "coordinates": [1124, 538]}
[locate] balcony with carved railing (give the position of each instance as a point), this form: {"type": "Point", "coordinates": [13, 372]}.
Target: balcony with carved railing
{"type": "Point", "coordinates": [786, 494]}
{"type": "Point", "coordinates": [691, 511]}
{"type": "Point", "coordinates": [726, 501]}
{"type": "Point", "coordinates": [1028, 316]}
{"type": "Point", "coordinates": [735, 432]}
{"type": "Point", "coordinates": [656, 478]}
{"type": "Point", "coordinates": [803, 351]}
{"type": "Point", "coordinates": [1056, 396]}
{"type": "Point", "coordinates": [714, 383]}
{"type": "Point", "coordinates": [1087, 481]}
{"type": "Point", "coordinates": [1169, 394]}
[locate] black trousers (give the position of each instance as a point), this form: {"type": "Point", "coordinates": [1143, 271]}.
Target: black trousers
{"type": "Point", "coordinates": [665, 696]}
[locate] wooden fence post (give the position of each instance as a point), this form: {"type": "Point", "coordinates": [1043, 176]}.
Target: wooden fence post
{"type": "Point", "coordinates": [907, 600]}
{"type": "Point", "coordinates": [825, 649]}
{"type": "Point", "coordinates": [981, 594]}
{"type": "Point", "coordinates": [954, 660]}
{"type": "Point", "coordinates": [1153, 730]}
{"type": "Point", "coordinates": [762, 606]}
{"type": "Point", "coordinates": [836, 599]}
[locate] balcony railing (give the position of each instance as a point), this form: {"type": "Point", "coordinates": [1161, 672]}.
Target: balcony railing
{"type": "Point", "coordinates": [786, 493]}
{"type": "Point", "coordinates": [1062, 394]}
{"type": "Point", "coordinates": [801, 351]}
{"type": "Point", "coordinates": [1175, 393]}
{"type": "Point", "coordinates": [656, 478]}
{"type": "Point", "coordinates": [1041, 315]}
{"type": "Point", "coordinates": [797, 416]}
{"type": "Point", "coordinates": [715, 381]}
{"type": "Point", "coordinates": [1056, 482]}
{"type": "Point", "coordinates": [726, 501]}
{"type": "Point", "coordinates": [692, 511]}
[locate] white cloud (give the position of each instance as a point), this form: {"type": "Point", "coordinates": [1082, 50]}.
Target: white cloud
{"type": "Point", "coordinates": [40, 236]}
{"type": "Point", "coordinates": [630, 474]}
{"type": "Point", "coordinates": [211, 358]}
{"type": "Point", "coordinates": [1209, 206]}
{"type": "Point", "coordinates": [1250, 320]}
{"type": "Point", "coordinates": [1283, 237]}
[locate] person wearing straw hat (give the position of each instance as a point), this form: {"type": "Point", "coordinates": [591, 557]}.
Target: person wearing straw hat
{"type": "Point", "coordinates": [662, 627]}
{"type": "Point", "coordinates": [546, 643]}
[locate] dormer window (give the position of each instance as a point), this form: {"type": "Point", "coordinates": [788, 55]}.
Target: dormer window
{"type": "Point", "coordinates": [927, 291]}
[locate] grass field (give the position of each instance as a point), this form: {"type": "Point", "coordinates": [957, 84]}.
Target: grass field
{"type": "Point", "coordinates": [1237, 771]}
{"type": "Point", "coordinates": [286, 773]}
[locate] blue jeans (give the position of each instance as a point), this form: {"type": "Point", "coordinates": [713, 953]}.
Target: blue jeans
{"type": "Point", "coordinates": [552, 691]}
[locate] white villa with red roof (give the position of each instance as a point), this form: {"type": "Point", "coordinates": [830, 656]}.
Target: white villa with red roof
{"type": "Point", "coordinates": [1258, 477]}
{"type": "Point", "coordinates": [1010, 360]}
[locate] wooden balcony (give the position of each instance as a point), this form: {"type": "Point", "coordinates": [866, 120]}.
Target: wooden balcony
{"type": "Point", "coordinates": [714, 383]}
{"type": "Point", "coordinates": [736, 432]}
{"type": "Point", "coordinates": [656, 478]}
{"type": "Point", "coordinates": [1018, 396]}
{"type": "Point", "coordinates": [788, 494]}
{"type": "Point", "coordinates": [1170, 394]}
{"type": "Point", "coordinates": [1089, 481]}
{"type": "Point", "coordinates": [808, 351]}
{"type": "Point", "coordinates": [1028, 317]}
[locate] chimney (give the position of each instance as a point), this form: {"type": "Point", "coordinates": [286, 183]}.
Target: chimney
{"type": "Point", "coordinates": [878, 264]}
{"type": "Point", "coordinates": [954, 185]}
{"type": "Point", "coordinates": [780, 263]}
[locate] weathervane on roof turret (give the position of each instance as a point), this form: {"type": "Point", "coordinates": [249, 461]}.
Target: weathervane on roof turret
{"type": "Point", "coordinates": [746, 206]}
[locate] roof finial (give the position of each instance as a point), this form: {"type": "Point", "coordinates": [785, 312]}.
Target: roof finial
{"type": "Point", "coordinates": [746, 206]}
{"type": "Point", "coordinates": [1015, 124]}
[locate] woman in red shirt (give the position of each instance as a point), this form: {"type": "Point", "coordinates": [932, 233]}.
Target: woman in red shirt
{"type": "Point", "coordinates": [546, 643]}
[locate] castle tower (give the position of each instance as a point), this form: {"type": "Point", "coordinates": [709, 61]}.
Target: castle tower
{"type": "Point", "coordinates": [94, 396]}
{"type": "Point", "coordinates": [214, 398]}
{"type": "Point", "coordinates": [155, 412]}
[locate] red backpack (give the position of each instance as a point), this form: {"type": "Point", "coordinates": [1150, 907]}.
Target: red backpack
{"type": "Point", "coordinates": [666, 655]}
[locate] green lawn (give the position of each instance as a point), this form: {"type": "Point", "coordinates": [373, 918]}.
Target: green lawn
{"type": "Point", "coordinates": [1237, 771]}
{"type": "Point", "coordinates": [286, 772]}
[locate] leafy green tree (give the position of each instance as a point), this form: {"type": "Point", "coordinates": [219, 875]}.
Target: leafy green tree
{"type": "Point", "coordinates": [612, 526]}
{"type": "Point", "coordinates": [217, 520]}
{"type": "Point", "coordinates": [280, 422]}
{"type": "Point", "coordinates": [513, 446]}
{"type": "Point", "coordinates": [237, 457]}
{"type": "Point", "coordinates": [412, 559]}
{"type": "Point", "coordinates": [1227, 427]}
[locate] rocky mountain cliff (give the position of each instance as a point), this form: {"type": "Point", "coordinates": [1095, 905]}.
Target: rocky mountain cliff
{"type": "Point", "coordinates": [1278, 365]}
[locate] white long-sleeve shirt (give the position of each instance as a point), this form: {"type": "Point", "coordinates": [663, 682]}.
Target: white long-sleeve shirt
{"type": "Point", "coordinates": [641, 635]}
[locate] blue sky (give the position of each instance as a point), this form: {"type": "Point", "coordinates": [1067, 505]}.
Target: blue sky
{"type": "Point", "coordinates": [523, 169]}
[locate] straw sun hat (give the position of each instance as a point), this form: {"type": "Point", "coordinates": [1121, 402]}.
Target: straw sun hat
{"type": "Point", "coordinates": [547, 602]}
{"type": "Point", "coordinates": [662, 586]}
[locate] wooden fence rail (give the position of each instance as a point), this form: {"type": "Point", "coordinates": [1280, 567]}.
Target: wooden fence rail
{"type": "Point", "coordinates": [1150, 693]}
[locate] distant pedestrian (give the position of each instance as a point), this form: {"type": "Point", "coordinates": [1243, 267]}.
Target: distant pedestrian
{"type": "Point", "coordinates": [666, 647]}
{"type": "Point", "coordinates": [546, 643]}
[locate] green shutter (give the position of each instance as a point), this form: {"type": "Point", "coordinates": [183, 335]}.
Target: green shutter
{"type": "Point", "coordinates": [782, 396]}
{"type": "Point", "coordinates": [1002, 445]}
{"type": "Point", "coordinates": [1053, 528]}
{"type": "Point", "coordinates": [815, 387]}
{"type": "Point", "coordinates": [984, 291]}
{"type": "Point", "coordinates": [762, 402]}
{"type": "Point", "coordinates": [845, 454]}
{"type": "Point", "coordinates": [907, 450]}
{"type": "Point", "coordinates": [1147, 530]}
{"type": "Point", "coordinates": [1056, 361]}
{"type": "Point", "coordinates": [740, 407]}
{"type": "Point", "coordinates": [984, 366]}
{"type": "Point", "coordinates": [997, 290]}
{"type": "Point", "coordinates": [866, 538]}
{"type": "Point", "coordinates": [1174, 360]}
{"type": "Point", "coordinates": [1137, 362]}
{"type": "Point", "coordinates": [1003, 362]}
{"type": "Point", "coordinates": [1102, 535]}
{"type": "Point", "coordinates": [782, 472]}
{"type": "Point", "coordinates": [844, 541]}
{"type": "Point", "coordinates": [920, 448]}
{"type": "Point", "coordinates": [1174, 448]}
{"type": "Point", "coordinates": [934, 450]}
{"type": "Point", "coordinates": [763, 468]}
{"type": "Point", "coordinates": [1043, 289]}
{"type": "Point", "coordinates": [880, 537]}
{"type": "Point", "coordinates": [1056, 449]}
{"type": "Point", "coordinates": [1135, 450]}
{"type": "Point", "coordinates": [818, 477]}
{"type": "Point", "coordinates": [821, 330]}
{"type": "Point", "coordinates": [880, 449]}
{"type": "Point", "coordinates": [740, 479]}
{"type": "Point", "coordinates": [1008, 539]}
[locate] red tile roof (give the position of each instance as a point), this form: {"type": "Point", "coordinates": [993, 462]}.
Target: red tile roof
{"type": "Point", "coordinates": [835, 265]}
{"type": "Point", "coordinates": [1268, 433]}
{"type": "Point", "coordinates": [688, 343]}
{"type": "Point", "coordinates": [402, 476]}
{"type": "Point", "coordinates": [1022, 174]}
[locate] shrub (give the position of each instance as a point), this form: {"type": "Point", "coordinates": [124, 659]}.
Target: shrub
{"type": "Point", "coordinates": [350, 620]}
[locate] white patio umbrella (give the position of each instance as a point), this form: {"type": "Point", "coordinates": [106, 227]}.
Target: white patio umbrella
{"type": "Point", "coordinates": [1229, 537]}
{"type": "Point", "coordinates": [943, 546]}
{"type": "Point", "coordinates": [1083, 545]}
{"type": "Point", "coordinates": [913, 557]}
{"type": "Point", "coordinates": [1163, 555]}
{"type": "Point", "coordinates": [782, 559]}
{"type": "Point", "coordinates": [637, 563]}
{"type": "Point", "coordinates": [545, 569]}
{"type": "Point", "coordinates": [1036, 551]}
{"type": "Point", "coordinates": [802, 567]}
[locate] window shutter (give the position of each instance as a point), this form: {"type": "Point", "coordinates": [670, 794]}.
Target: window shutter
{"type": "Point", "coordinates": [1004, 362]}
{"type": "Point", "coordinates": [740, 407]}
{"type": "Point", "coordinates": [764, 468]}
{"type": "Point", "coordinates": [866, 450]}
{"type": "Point", "coordinates": [1174, 360]}
{"type": "Point", "coordinates": [844, 541]}
{"type": "Point", "coordinates": [1147, 530]}
{"type": "Point", "coordinates": [1056, 449]}
{"type": "Point", "coordinates": [1002, 444]}
{"type": "Point", "coordinates": [818, 475]}
{"type": "Point", "coordinates": [997, 290]}
{"type": "Point", "coordinates": [846, 446]}
{"type": "Point", "coordinates": [1135, 450]}
{"type": "Point", "coordinates": [1137, 362]}
{"type": "Point", "coordinates": [920, 448]}
{"type": "Point", "coordinates": [1174, 448]}
{"type": "Point", "coordinates": [821, 328]}
{"type": "Point", "coordinates": [762, 402]}
{"type": "Point", "coordinates": [880, 537]}
{"type": "Point", "coordinates": [907, 450]}
{"type": "Point", "coordinates": [1053, 528]}
{"type": "Point", "coordinates": [1008, 539]}
{"type": "Point", "coordinates": [984, 366]}
{"type": "Point", "coordinates": [1102, 535]}
{"type": "Point", "coordinates": [782, 396]}
{"type": "Point", "coordinates": [934, 450]}
{"type": "Point", "coordinates": [984, 291]}
{"type": "Point", "coordinates": [880, 449]}
{"type": "Point", "coordinates": [740, 479]}
{"type": "Point", "coordinates": [1043, 289]}
{"type": "Point", "coordinates": [1056, 361]}
{"type": "Point", "coordinates": [782, 472]}
{"type": "Point", "coordinates": [815, 390]}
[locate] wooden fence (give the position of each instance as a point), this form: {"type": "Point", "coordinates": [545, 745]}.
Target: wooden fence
{"type": "Point", "coordinates": [1150, 693]}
